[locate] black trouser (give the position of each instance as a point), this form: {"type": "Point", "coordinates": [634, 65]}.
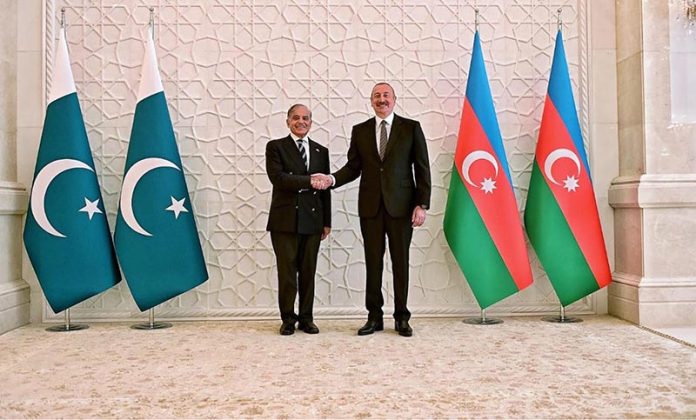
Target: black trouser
{"type": "Point", "coordinates": [399, 232]}
{"type": "Point", "coordinates": [296, 256]}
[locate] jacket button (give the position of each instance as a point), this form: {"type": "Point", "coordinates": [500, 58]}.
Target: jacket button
{"type": "Point", "coordinates": [297, 207]}
{"type": "Point", "coordinates": [315, 193]}
{"type": "Point", "coordinates": [381, 169]}
{"type": "Point", "coordinates": [312, 208]}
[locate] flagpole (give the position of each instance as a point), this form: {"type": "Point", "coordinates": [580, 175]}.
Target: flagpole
{"type": "Point", "coordinates": [559, 21]}
{"type": "Point", "coordinates": [151, 324]}
{"type": "Point", "coordinates": [482, 320]}
{"type": "Point", "coordinates": [151, 23]}
{"type": "Point", "coordinates": [67, 326]}
{"type": "Point", "coordinates": [561, 318]}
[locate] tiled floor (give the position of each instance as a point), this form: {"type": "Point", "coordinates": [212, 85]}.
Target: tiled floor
{"type": "Point", "coordinates": [687, 334]}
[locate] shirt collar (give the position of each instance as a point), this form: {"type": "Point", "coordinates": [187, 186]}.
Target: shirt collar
{"type": "Point", "coordinates": [389, 119]}
{"type": "Point", "coordinates": [296, 138]}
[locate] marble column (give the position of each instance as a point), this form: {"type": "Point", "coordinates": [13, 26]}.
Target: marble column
{"type": "Point", "coordinates": [31, 108]}
{"type": "Point", "coordinates": [14, 292]}
{"type": "Point", "coordinates": [654, 196]}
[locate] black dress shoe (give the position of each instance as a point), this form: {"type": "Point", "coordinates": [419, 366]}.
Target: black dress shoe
{"type": "Point", "coordinates": [308, 327]}
{"type": "Point", "coordinates": [370, 327]}
{"type": "Point", "coordinates": [288, 328]}
{"type": "Point", "coordinates": [403, 328]}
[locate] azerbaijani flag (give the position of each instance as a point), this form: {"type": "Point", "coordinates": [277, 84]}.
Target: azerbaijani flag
{"type": "Point", "coordinates": [482, 224]}
{"type": "Point", "coordinates": [561, 214]}
{"type": "Point", "coordinates": [156, 238]}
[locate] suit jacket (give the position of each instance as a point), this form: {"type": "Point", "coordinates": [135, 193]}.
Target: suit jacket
{"type": "Point", "coordinates": [401, 181]}
{"type": "Point", "coordinates": [295, 206]}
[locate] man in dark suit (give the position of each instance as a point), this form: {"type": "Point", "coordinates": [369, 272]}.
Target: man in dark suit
{"type": "Point", "coordinates": [299, 218]}
{"type": "Point", "coordinates": [390, 155]}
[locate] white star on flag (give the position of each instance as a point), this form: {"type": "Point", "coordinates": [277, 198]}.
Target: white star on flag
{"type": "Point", "coordinates": [91, 207]}
{"type": "Point", "coordinates": [570, 183]}
{"type": "Point", "coordinates": [177, 207]}
{"type": "Point", "coordinates": [488, 185]}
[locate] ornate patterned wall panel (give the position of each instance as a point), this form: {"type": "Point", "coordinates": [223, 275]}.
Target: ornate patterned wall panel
{"type": "Point", "coordinates": [232, 68]}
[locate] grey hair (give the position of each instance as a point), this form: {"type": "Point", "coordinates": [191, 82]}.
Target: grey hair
{"type": "Point", "coordinates": [292, 108]}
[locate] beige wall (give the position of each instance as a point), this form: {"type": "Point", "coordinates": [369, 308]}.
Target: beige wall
{"type": "Point", "coordinates": [228, 98]}
{"type": "Point", "coordinates": [655, 195]}
{"type": "Point", "coordinates": [14, 293]}
{"type": "Point", "coordinates": [649, 232]}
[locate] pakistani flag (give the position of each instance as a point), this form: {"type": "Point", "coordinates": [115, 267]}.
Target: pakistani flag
{"type": "Point", "coordinates": [482, 225]}
{"type": "Point", "coordinates": [66, 233]}
{"type": "Point", "coordinates": [561, 214]}
{"type": "Point", "coordinates": [156, 238]}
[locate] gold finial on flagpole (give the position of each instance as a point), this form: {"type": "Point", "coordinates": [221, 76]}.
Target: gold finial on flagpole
{"type": "Point", "coordinates": [476, 19]}
{"type": "Point", "coordinates": [559, 21]}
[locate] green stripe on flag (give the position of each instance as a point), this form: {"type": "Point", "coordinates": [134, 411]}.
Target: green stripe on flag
{"type": "Point", "coordinates": [555, 244]}
{"type": "Point", "coordinates": [473, 248]}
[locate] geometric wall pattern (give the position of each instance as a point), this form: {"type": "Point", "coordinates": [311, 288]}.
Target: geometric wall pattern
{"type": "Point", "coordinates": [230, 71]}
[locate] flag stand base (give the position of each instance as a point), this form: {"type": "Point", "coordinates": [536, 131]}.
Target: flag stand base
{"type": "Point", "coordinates": [482, 320]}
{"type": "Point", "coordinates": [151, 324]}
{"type": "Point", "coordinates": [559, 320]}
{"type": "Point", "coordinates": [562, 318]}
{"type": "Point", "coordinates": [68, 326]}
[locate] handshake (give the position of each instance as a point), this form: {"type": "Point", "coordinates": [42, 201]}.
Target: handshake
{"type": "Point", "coordinates": [321, 181]}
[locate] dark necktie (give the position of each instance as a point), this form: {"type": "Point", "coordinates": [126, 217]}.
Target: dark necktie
{"type": "Point", "coordinates": [383, 139]}
{"type": "Point", "coordinates": [303, 153]}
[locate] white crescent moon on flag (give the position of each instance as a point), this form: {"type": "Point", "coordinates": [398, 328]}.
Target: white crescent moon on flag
{"type": "Point", "coordinates": [130, 181]}
{"type": "Point", "coordinates": [43, 180]}
{"type": "Point", "coordinates": [473, 157]}
{"type": "Point", "coordinates": [554, 156]}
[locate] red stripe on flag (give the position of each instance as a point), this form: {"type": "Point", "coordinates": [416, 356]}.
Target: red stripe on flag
{"type": "Point", "coordinates": [572, 191]}
{"type": "Point", "coordinates": [492, 195]}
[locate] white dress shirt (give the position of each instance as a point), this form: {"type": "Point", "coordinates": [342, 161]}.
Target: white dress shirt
{"type": "Point", "coordinates": [378, 133]}
{"type": "Point", "coordinates": [305, 145]}
{"type": "Point", "coordinates": [378, 127]}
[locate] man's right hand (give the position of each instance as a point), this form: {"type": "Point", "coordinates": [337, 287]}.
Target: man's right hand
{"type": "Point", "coordinates": [321, 181]}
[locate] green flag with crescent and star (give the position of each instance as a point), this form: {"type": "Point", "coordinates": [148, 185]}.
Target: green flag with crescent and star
{"type": "Point", "coordinates": [156, 237]}
{"type": "Point", "coordinates": [66, 232]}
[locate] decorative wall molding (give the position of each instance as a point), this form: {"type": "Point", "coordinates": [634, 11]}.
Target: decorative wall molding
{"type": "Point", "coordinates": [653, 191]}
{"type": "Point", "coordinates": [653, 282]}
{"type": "Point", "coordinates": [13, 198]}
{"type": "Point", "coordinates": [231, 69]}
{"type": "Point", "coordinates": [626, 278]}
{"type": "Point", "coordinates": [14, 304]}
{"type": "Point", "coordinates": [583, 307]}
{"type": "Point", "coordinates": [585, 63]}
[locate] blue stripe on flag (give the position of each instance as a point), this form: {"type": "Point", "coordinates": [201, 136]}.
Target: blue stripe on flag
{"type": "Point", "coordinates": [478, 93]}
{"type": "Point", "coordinates": [561, 94]}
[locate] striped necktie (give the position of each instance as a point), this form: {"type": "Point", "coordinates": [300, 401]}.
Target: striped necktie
{"type": "Point", "coordinates": [303, 152]}
{"type": "Point", "coordinates": [383, 139]}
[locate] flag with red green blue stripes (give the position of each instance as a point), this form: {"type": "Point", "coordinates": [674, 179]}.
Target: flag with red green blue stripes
{"type": "Point", "coordinates": [561, 215]}
{"type": "Point", "coordinates": [482, 224]}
